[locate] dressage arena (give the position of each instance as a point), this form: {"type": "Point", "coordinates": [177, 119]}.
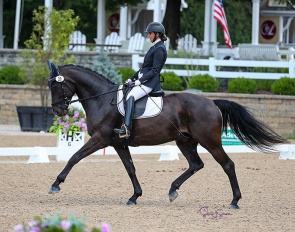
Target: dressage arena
{"type": "Point", "coordinates": [99, 187]}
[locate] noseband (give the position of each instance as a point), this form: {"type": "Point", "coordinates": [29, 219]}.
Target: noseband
{"type": "Point", "coordinates": [65, 101]}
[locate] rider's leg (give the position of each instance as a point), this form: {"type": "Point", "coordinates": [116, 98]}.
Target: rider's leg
{"type": "Point", "coordinates": [136, 93]}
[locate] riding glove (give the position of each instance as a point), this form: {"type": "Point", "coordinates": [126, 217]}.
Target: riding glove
{"type": "Point", "coordinates": [129, 82]}
{"type": "Point", "coordinates": [137, 82]}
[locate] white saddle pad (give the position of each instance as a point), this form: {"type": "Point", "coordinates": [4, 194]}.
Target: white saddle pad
{"type": "Point", "coordinates": [153, 107]}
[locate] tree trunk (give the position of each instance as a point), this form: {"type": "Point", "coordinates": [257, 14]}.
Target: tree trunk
{"type": "Point", "coordinates": [171, 21]}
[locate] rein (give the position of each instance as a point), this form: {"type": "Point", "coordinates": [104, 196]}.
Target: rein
{"type": "Point", "coordinates": [97, 95]}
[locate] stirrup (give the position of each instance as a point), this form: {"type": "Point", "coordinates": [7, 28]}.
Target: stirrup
{"type": "Point", "coordinates": [127, 132]}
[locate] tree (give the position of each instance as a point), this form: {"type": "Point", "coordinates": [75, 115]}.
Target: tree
{"type": "Point", "coordinates": [56, 42]}
{"type": "Point", "coordinates": [171, 21]}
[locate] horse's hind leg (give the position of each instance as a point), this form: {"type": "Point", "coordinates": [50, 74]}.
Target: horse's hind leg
{"type": "Point", "coordinates": [229, 168]}
{"type": "Point", "coordinates": [189, 150]}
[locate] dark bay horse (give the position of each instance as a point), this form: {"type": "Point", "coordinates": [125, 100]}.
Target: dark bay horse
{"type": "Point", "coordinates": [186, 118]}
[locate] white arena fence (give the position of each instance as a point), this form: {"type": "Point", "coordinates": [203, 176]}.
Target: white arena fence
{"type": "Point", "coordinates": [166, 152]}
{"type": "Point", "coordinates": [216, 68]}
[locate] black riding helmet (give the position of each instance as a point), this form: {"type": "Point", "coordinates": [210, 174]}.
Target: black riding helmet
{"type": "Point", "coordinates": [155, 27]}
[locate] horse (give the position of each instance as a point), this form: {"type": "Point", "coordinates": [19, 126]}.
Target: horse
{"type": "Point", "coordinates": [186, 118]}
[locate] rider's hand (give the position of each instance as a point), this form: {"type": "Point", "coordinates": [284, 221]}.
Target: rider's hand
{"type": "Point", "coordinates": [137, 82]}
{"type": "Point", "coordinates": [129, 82]}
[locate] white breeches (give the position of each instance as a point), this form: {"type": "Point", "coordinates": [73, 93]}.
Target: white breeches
{"type": "Point", "coordinates": [138, 92]}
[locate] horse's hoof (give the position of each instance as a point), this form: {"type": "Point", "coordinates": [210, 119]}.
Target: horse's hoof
{"type": "Point", "coordinates": [234, 206]}
{"type": "Point", "coordinates": [172, 196]}
{"type": "Point", "coordinates": [54, 190]}
{"type": "Point", "coordinates": [130, 202]}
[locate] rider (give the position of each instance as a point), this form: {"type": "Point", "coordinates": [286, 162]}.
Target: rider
{"type": "Point", "coordinates": [147, 78]}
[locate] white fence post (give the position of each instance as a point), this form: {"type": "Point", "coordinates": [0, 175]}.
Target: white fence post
{"type": "Point", "coordinates": [291, 69]}
{"type": "Point", "coordinates": [135, 62]}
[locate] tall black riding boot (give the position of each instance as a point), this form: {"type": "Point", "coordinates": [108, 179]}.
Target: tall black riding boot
{"type": "Point", "coordinates": [125, 130]}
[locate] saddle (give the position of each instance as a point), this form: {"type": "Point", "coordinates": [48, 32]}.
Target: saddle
{"type": "Point", "coordinates": [146, 107]}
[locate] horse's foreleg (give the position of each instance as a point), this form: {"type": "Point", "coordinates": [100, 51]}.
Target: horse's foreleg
{"type": "Point", "coordinates": [91, 146]}
{"type": "Point", "coordinates": [125, 156]}
{"type": "Point", "coordinates": [189, 150]}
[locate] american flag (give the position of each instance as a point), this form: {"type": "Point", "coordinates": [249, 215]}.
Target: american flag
{"type": "Point", "coordinates": [219, 15]}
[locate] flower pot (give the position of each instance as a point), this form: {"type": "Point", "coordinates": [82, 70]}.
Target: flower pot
{"type": "Point", "coordinates": [70, 139]}
{"type": "Point", "coordinates": [35, 118]}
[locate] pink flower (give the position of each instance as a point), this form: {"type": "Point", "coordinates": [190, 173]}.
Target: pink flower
{"type": "Point", "coordinates": [79, 124]}
{"type": "Point", "coordinates": [76, 114]}
{"type": "Point", "coordinates": [35, 229]}
{"type": "Point", "coordinates": [84, 127]}
{"type": "Point", "coordinates": [65, 225]}
{"type": "Point", "coordinates": [105, 227]}
{"type": "Point", "coordinates": [33, 223]}
{"type": "Point", "coordinates": [67, 117]}
{"type": "Point", "coordinates": [19, 228]}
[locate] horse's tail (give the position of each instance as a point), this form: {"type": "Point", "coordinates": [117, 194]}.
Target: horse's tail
{"type": "Point", "coordinates": [252, 132]}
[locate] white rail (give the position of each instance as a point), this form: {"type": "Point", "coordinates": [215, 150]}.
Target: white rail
{"type": "Point", "coordinates": [216, 68]}
{"type": "Point", "coordinates": [166, 152]}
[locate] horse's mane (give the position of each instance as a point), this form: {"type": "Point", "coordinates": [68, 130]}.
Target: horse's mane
{"type": "Point", "coordinates": [88, 70]}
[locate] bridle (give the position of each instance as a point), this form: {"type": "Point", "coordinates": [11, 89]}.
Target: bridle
{"type": "Point", "coordinates": [65, 101]}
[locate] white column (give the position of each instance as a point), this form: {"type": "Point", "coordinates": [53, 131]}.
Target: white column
{"type": "Point", "coordinates": [207, 24]}
{"type": "Point", "coordinates": [157, 11]}
{"type": "Point", "coordinates": [16, 25]}
{"type": "Point", "coordinates": [255, 21]}
{"type": "Point", "coordinates": [281, 30]}
{"type": "Point", "coordinates": [48, 4]}
{"type": "Point", "coordinates": [123, 22]}
{"type": "Point", "coordinates": [1, 25]}
{"type": "Point", "coordinates": [100, 33]}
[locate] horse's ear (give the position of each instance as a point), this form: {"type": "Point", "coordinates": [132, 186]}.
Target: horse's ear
{"type": "Point", "coordinates": [53, 70]}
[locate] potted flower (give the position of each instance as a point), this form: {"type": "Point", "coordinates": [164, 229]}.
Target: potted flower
{"type": "Point", "coordinates": [56, 223]}
{"type": "Point", "coordinates": [70, 129]}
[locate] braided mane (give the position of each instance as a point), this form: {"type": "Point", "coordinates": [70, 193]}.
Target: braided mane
{"type": "Point", "coordinates": [87, 70]}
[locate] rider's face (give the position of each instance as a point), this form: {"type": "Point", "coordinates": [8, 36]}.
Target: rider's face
{"type": "Point", "coordinates": [151, 36]}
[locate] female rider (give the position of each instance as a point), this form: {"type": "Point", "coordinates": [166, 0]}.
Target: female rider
{"type": "Point", "coordinates": [147, 78]}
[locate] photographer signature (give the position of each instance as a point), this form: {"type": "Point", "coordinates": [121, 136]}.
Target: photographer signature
{"type": "Point", "coordinates": [217, 214]}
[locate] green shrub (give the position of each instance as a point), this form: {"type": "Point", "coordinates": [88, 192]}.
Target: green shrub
{"type": "Point", "coordinates": [242, 85]}
{"type": "Point", "coordinates": [11, 75]}
{"type": "Point", "coordinates": [264, 85]}
{"type": "Point", "coordinates": [172, 81]}
{"type": "Point", "coordinates": [126, 73]}
{"type": "Point", "coordinates": [205, 82]}
{"type": "Point", "coordinates": [284, 86]}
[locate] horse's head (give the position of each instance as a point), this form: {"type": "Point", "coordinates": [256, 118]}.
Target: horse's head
{"type": "Point", "coordinates": [62, 90]}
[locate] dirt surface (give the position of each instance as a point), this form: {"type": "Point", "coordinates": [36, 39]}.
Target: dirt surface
{"type": "Point", "coordinates": [99, 187]}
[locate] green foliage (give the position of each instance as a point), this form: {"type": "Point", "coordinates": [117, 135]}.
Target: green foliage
{"type": "Point", "coordinates": [284, 86]}
{"type": "Point", "coordinates": [104, 66]}
{"type": "Point", "coordinates": [172, 81]}
{"type": "Point", "coordinates": [242, 85]}
{"type": "Point", "coordinates": [11, 75]}
{"type": "Point", "coordinates": [41, 47]}
{"type": "Point", "coordinates": [205, 82]}
{"type": "Point", "coordinates": [264, 85]}
{"type": "Point", "coordinates": [126, 73]}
